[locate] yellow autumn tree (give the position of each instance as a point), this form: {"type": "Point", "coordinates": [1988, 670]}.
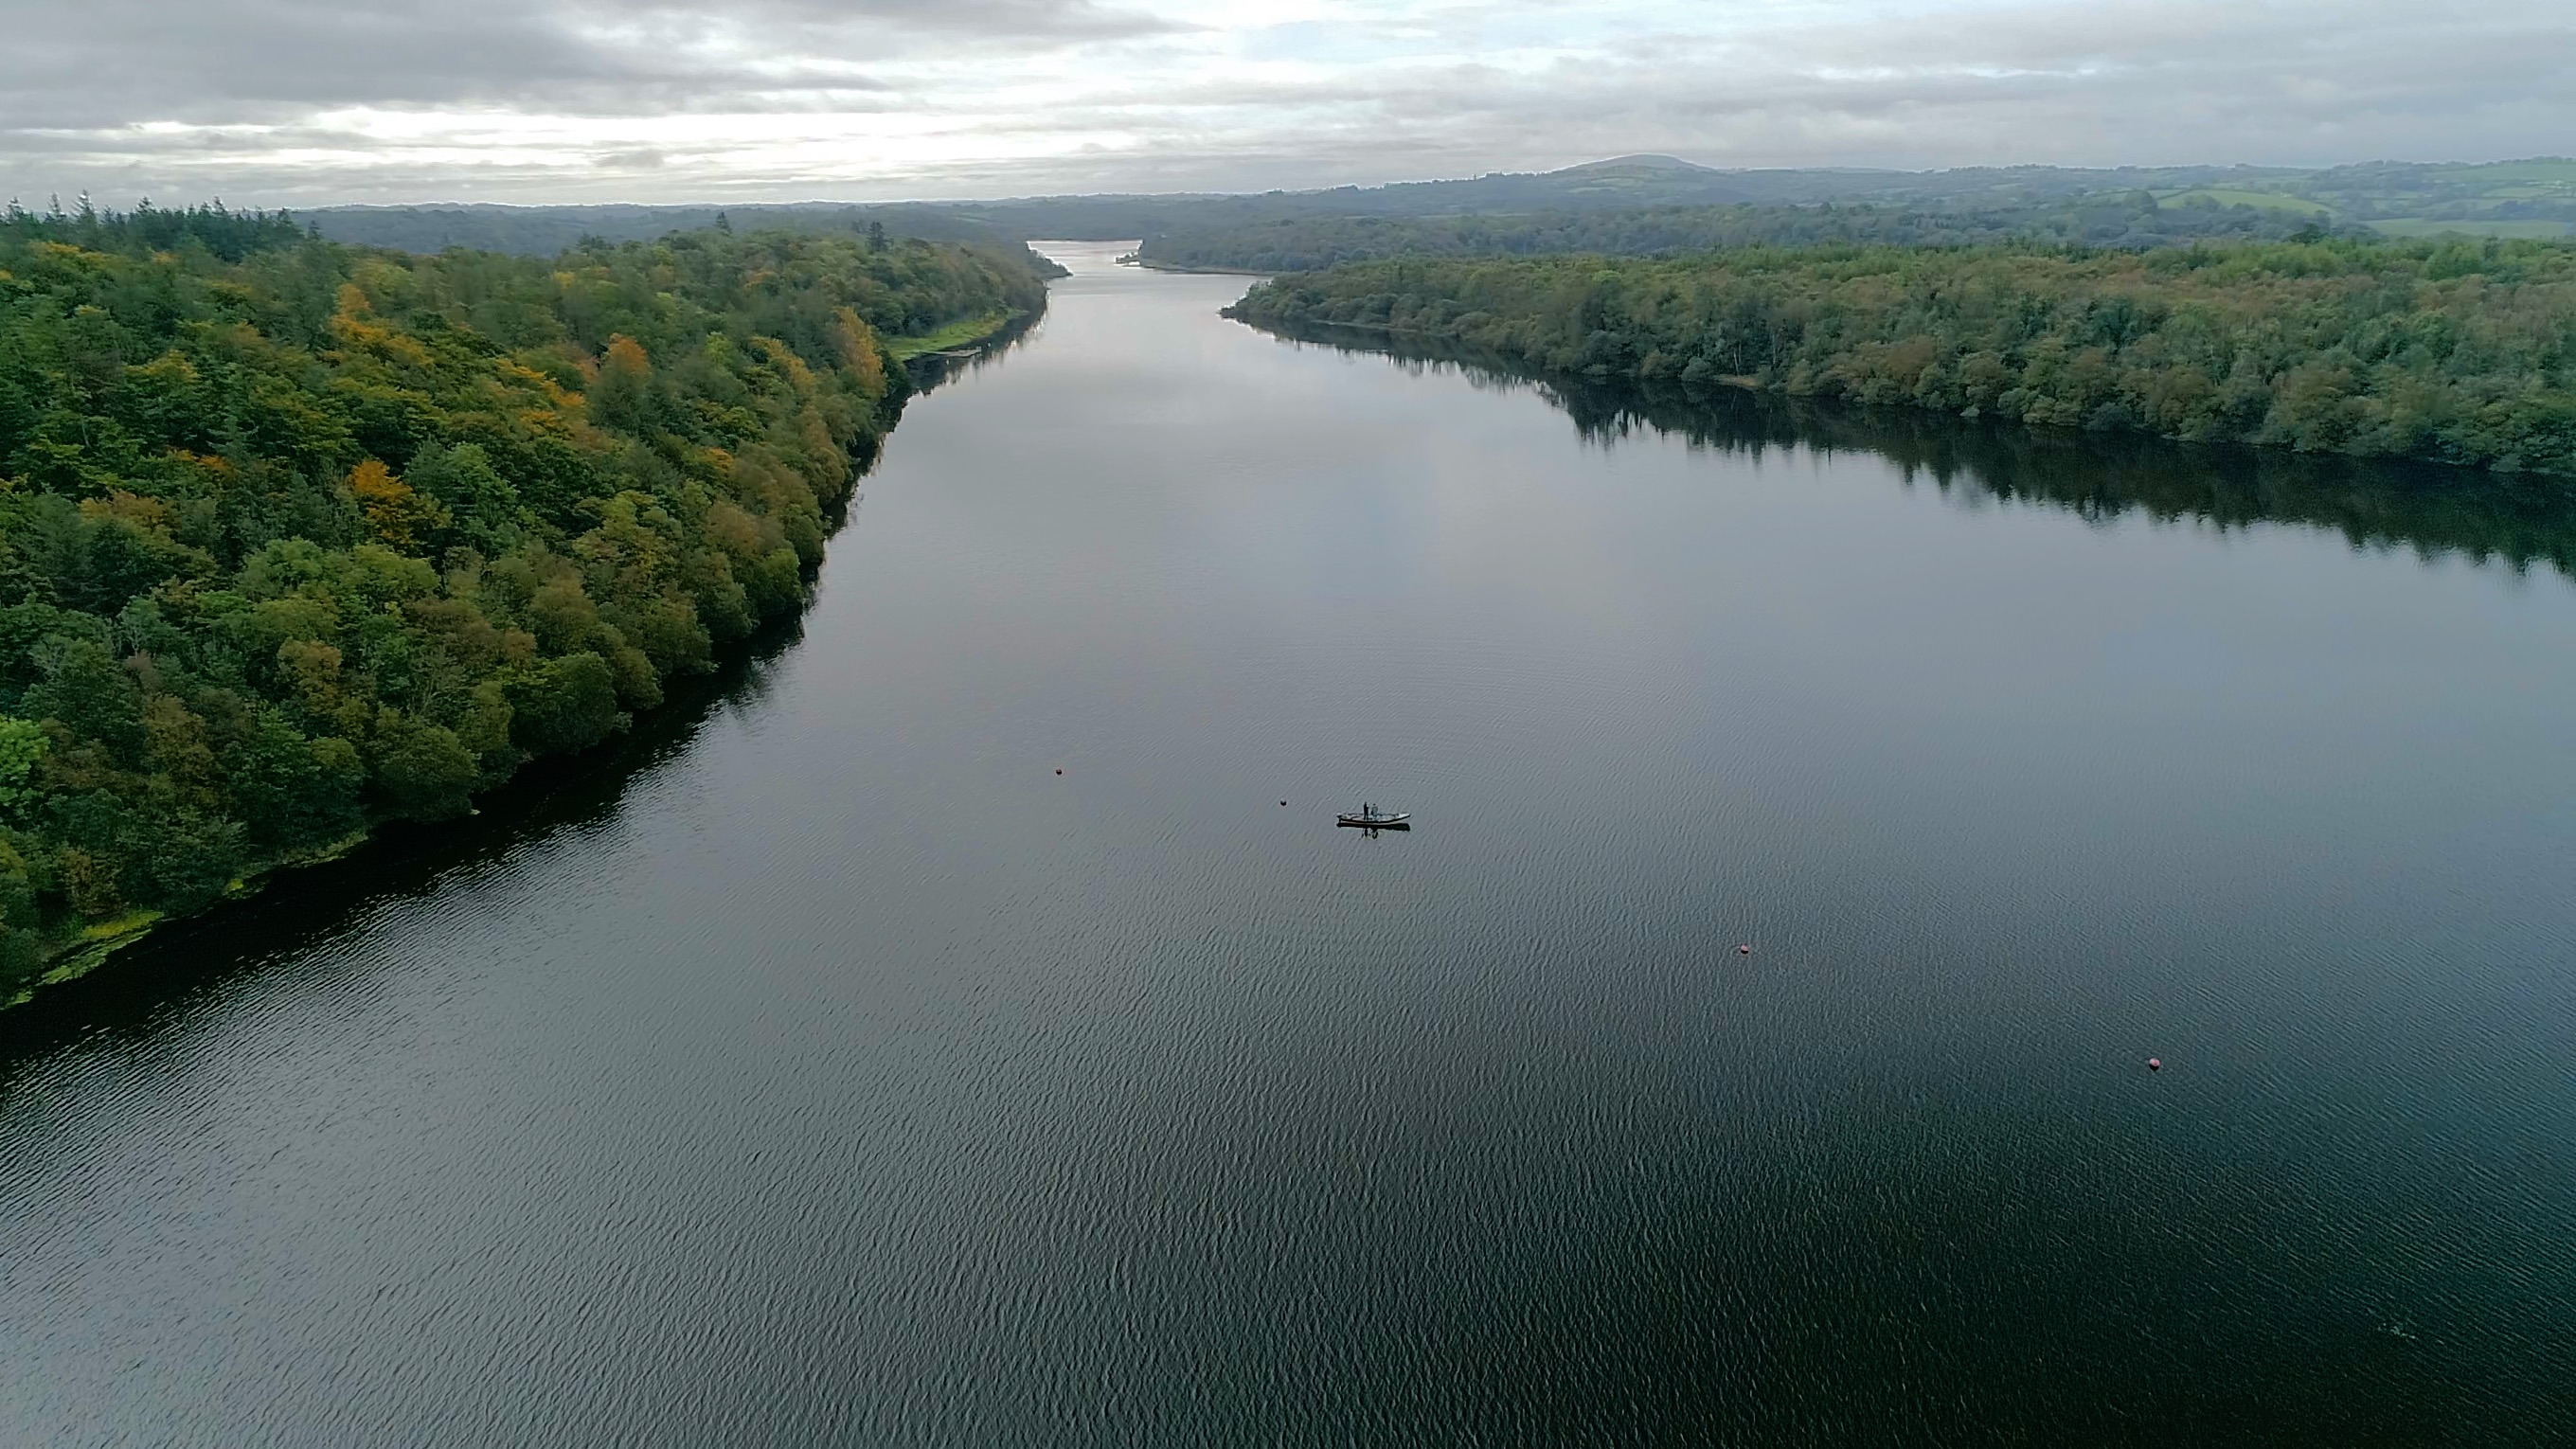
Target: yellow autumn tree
{"type": "Point", "coordinates": [626, 357]}
{"type": "Point", "coordinates": [626, 396]}
{"type": "Point", "coordinates": [402, 518]}
{"type": "Point", "coordinates": [857, 342]}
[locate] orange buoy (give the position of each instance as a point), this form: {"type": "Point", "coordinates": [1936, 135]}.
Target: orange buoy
{"type": "Point", "coordinates": [2155, 1064]}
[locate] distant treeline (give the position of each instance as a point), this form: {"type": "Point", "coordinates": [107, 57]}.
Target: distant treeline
{"type": "Point", "coordinates": [2459, 352]}
{"type": "Point", "coordinates": [1664, 204]}
{"type": "Point", "coordinates": [2116, 219]}
{"type": "Point", "coordinates": [318, 536]}
{"type": "Point", "coordinates": [543, 231]}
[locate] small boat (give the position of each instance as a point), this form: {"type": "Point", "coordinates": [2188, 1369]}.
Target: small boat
{"type": "Point", "coordinates": [1370, 819]}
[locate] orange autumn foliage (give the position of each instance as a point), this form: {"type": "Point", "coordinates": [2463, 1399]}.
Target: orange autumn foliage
{"type": "Point", "coordinates": [626, 356]}
{"type": "Point", "coordinates": [857, 343]}
{"type": "Point", "coordinates": [401, 517]}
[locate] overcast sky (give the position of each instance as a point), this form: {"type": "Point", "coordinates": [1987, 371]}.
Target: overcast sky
{"type": "Point", "coordinates": [310, 101]}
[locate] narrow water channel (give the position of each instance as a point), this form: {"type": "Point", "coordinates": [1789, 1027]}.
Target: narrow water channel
{"type": "Point", "coordinates": [969, 1028]}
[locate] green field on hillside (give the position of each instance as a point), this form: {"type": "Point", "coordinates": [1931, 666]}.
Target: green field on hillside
{"type": "Point", "coordinates": [2541, 170]}
{"type": "Point", "coordinates": [955, 334]}
{"type": "Point", "coordinates": [2510, 230]}
{"type": "Point", "coordinates": [2229, 196]}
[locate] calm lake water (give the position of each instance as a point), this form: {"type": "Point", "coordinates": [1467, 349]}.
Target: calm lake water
{"type": "Point", "coordinates": [827, 1069]}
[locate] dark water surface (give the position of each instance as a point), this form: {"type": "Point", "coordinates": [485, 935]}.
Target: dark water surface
{"type": "Point", "coordinates": [844, 1075]}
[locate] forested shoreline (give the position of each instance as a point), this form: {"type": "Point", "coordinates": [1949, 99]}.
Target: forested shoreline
{"type": "Point", "coordinates": [2431, 511]}
{"type": "Point", "coordinates": [297, 538]}
{"type": "Point", "coordinates": [2459, 352]}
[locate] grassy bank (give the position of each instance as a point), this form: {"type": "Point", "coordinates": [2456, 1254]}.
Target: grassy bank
{"type": "Point", "coordinates": [961, 333]}
{"type": "Point", "coordinates": [1157, 264]}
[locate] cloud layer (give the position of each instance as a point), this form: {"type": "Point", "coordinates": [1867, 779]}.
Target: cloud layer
{"type": "Point", "coordinates": [311, 101]}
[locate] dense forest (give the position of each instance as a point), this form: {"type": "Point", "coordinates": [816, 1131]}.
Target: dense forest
{"type": "Point", "coordinates": [2458, 351]}
{"type": "Point", "coordinates": [296, 537]}
{"type": "Point", "coordinates": [2112, 219]}
{"type": "Point", "coordinates": [543, 231]}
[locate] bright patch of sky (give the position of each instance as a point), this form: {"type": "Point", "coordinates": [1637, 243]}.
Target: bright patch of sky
{"type": "Point", "coordinates": [310, 101]}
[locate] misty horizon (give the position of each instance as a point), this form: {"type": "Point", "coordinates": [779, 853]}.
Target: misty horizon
{"type": "Point", "coordinates": [70, 201]}
{"type": "Point", "coordinates": [291, 103]}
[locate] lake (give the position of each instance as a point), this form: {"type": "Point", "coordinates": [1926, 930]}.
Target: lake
{"type": "Point", "coordinates": [963, 1024]}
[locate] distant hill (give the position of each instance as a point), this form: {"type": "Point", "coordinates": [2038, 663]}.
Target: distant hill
{"type": "Point", "coordinates": [1644, 163]}
{"type": "Point", "coordinates": [2528, 198]}
{"type": "Point", "coordinates": [2535, 197]}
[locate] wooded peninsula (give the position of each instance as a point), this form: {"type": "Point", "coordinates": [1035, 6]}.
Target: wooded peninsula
{"type": "Point", "coordinates": [2457, 351]}
{"type": "Point", "coordinates": [298, 537]}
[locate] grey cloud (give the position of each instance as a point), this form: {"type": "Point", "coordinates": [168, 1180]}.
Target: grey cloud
{"type": "Point", "coordinates": [125, 61]}
{"type": "Point", "coordinates": [1008, 20]}
{"type": "Point", "coordinates": [2095, 85]}
{"type": "Point", "coordinates": [113, 62]}
{"type": "Point", "coordinates": [2126, 81]}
